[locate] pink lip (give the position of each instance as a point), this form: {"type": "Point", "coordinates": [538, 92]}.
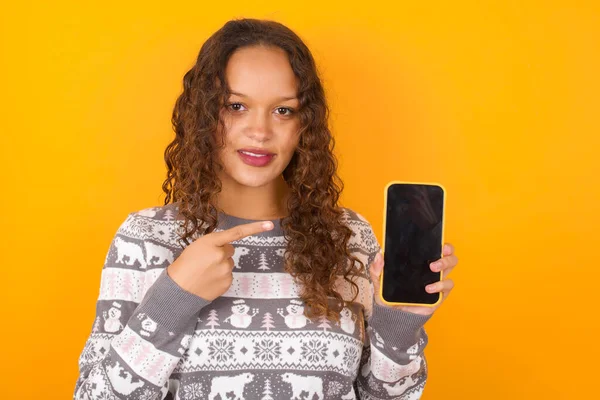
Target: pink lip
{"type": "Point", "coordinates": [262, 161]}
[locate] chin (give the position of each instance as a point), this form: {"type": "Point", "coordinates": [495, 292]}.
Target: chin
{"type": "Point", "coordinates": [255, 180]}
{"type": "Point", "coordinates": [255, 177]}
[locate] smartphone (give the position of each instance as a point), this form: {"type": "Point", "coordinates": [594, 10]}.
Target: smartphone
{"type": "Point", "coordinates": [413, 239]}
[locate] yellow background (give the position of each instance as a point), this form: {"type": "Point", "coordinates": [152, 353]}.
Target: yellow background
{"type": "Point", "coordinates": [497, 100]}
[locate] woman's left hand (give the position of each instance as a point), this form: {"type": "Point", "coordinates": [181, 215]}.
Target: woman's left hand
{"type": "Point", "coordinates": [445, 264]}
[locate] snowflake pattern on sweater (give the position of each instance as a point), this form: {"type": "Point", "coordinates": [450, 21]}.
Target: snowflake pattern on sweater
{"type": "Point", "coordinates": [153, 340]}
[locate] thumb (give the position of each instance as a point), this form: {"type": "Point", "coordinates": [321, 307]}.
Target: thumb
{"type": "Point", "coordinates": [376, 267]}
{"type": "Point", "coordinates": [375, 271]}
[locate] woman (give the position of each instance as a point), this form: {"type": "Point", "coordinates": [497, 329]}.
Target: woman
{"type": "Point", "coordinates": [251, 282]}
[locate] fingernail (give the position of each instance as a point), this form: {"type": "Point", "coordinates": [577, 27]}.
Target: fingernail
{"type": "Point", "coordinates": [267, 225]}
{"type": "Point", "coordinates": [436, 266]}
{"type": "Point", "coordinates": [430, 288]}
{"type": "Point", "coordinates": [378, 257]}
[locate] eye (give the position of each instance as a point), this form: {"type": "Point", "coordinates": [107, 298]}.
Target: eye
{"type": "Point", "coordinates": [235, 106]}
{"type": "Point", "coordinates": [285, 111]}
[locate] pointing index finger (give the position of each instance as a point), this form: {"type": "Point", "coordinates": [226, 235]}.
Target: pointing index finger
{"type": "Point", "coordinates": [241, 231]}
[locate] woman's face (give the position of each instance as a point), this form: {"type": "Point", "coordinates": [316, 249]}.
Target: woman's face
{"type": "Point", "coordinates": [260, 117]}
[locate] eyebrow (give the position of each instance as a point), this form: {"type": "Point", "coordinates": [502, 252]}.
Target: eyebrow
{"type": "Point", "coordinates": [283, 98]}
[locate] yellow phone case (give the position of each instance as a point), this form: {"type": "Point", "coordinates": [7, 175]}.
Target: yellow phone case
{"type": "Point", "coordinates": [383, 249]}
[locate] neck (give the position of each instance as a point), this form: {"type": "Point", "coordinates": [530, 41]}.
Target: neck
{"type": "Point", "coordinates": [267, 202]}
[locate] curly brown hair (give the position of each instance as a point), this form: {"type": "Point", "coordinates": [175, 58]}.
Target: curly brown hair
{"type": "Point", "coordinates": [317, 237]}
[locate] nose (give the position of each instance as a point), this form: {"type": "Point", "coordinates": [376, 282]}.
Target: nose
{"type": "Point", "coordinates": [259, 128]}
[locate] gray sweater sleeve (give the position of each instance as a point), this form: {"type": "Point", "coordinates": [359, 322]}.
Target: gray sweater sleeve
{"type": "Point", "coordinates": [393, 364]}
{"type": "Point", "coordinates": [139, 335]}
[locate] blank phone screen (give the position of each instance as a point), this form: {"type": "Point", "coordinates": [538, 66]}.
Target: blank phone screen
{"type": "Point", "coordinates": [413, 240]}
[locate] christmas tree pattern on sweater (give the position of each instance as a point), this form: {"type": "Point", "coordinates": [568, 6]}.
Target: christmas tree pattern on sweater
{"type": "Point", "coordinates": [150, 339]}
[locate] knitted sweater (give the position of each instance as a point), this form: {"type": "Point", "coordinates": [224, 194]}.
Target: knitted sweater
{"type": "Point", "coordinates": [153, 340]}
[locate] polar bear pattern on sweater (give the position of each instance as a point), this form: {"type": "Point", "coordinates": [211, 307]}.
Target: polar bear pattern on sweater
{"type": "Point", "coordinates": [221, 385]}
{"type": "Point", "coordinates": [238, 252]}
{"type": "Point", "coordinates": [157, 255]}
{"type": "Point", "coordinates": [130, 251]}
{"type": "Point", "coordinates": [313, 385]}
{"type": "Point", "coordinates": [121, 379]}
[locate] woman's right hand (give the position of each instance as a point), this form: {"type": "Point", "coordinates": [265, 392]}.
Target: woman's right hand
{"type": "Point", "coordinates": [205, 267]}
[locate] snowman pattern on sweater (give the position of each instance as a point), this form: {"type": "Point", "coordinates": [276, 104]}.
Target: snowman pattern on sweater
{"type": "Point", "coordinates": [347, 320]}
{"type": "Point", "coordinates": [240, 317]}
{"type": "Point", "coordinates": [112, 318]}
{"type": "Point", "coordinates": [295, 319]}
